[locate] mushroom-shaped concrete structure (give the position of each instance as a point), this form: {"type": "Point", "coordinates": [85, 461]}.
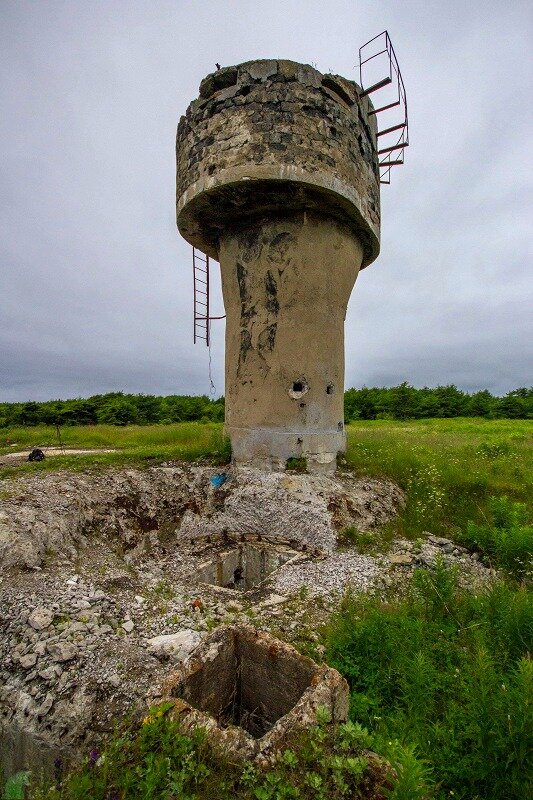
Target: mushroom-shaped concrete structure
{"type": "Point", "coordinates": [277, 178]}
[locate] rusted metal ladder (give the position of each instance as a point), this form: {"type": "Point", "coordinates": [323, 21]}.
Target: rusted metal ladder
{"type": "Point", "coordinates": [394, 148]}
{"type": "Point", "coordinates": [200, 277]}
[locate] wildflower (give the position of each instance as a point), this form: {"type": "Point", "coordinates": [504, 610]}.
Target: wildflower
{"type": "Point", "coordinates": [94, 755]}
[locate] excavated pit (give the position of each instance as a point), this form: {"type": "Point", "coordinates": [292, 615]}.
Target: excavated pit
{"type": "Point", "coordinates": [246, 685]}
{"type": "Point", "coordinates": [250, 690]}
{"type": "Point", "coordinates": [245, 567]}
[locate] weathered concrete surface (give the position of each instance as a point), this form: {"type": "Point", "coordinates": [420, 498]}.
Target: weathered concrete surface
{"type": "Point", "coordinates": [253, 692]}
{"type": "Point", "coordinates": [286, 285]}
{"type": "Point", "coordinates": [278, 178]}
{"type": "Point", "coordinates": [270, 136]}
{"type": "Point", "coordinates": [306, 511]}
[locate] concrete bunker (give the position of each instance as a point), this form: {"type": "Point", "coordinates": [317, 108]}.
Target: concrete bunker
{"type": "Point", "coordinates": [245, 566]}
{"type": "Point", "coordinates": [251, 690]}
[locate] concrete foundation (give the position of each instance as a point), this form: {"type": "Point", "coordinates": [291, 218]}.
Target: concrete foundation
{"type": "Point", "coordinates": [252, 692]}
{"type": "Point", "coordinates": [278, 179]}
{"type": "Point", "coordinates": [244, 567]}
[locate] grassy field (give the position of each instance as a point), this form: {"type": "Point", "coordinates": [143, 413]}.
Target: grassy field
{"type": "Point", "coordinates": [134, 444]}
{"type": "Point", "coordinates": [440, 678]}
{"type": "Point", "coordinates": [449, 468]}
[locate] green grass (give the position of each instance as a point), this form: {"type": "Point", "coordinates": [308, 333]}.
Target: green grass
{"type": "Point", "coordinates": [443, 680]}
{"type": "Point", "coordinates": [135, 445]}
{"type": "Point", "coordinates": [448, 468]}
{"type": "Point", "coordinates": [152, 760]}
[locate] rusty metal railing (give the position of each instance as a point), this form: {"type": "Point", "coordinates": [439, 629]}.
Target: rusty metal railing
{"type": "Point", "coordinates": [393, 147]}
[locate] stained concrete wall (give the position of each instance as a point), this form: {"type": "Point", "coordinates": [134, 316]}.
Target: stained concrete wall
{"type": "Point", "coordinates": [277, 178]}
{"type": "Point", "coordinates": [286, 285]}
{"type": "Point", "coordinates": [270, 135]}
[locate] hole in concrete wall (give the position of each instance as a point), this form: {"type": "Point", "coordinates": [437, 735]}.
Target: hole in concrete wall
{"type": "Point", "coordinates": [244, 567]}
{"type": "Point", "coordinates": [330, 388]}
{"type": "Point", "coordinates": [296, 464]}
{"type": "Point", "coordinates": [340, 426]}
{"type": "Point", "coordinates": [248, 683]}
{"type": "Point", "coordinates": [302, 405]}
{"type": "Point", "coordinates": [298, 389]}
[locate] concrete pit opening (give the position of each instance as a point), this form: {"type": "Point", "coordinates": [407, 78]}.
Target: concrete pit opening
{"type": "Point", "coordinates": [244, 567]}
{"type": "Point", "coordinates": [244, 678]}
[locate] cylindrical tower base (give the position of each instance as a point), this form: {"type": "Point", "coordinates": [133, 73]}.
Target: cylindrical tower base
{"type": "Point", "coordinates": [286, 283]}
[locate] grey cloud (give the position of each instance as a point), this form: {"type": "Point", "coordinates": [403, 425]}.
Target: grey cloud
{"type": "Point", "coordinates": [95, 283]}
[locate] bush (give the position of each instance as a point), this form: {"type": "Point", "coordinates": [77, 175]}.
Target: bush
{"type": "Point", "coordinates": [507, 541]}
{"type": "Point", "coordinates": [443, 680]}
{"type": "Point", "coordinates": [154, 761]}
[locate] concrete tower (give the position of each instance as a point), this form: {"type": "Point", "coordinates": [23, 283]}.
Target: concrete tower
{"type": "Point", "coordinates": [277, 179]}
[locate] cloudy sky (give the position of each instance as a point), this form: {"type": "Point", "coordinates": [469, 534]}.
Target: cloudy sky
{"type": "Point", "coordinates": [95, 282]}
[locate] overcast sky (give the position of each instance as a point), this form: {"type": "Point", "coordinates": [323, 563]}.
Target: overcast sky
{"type": "Point", "coordinates": [95, 282]}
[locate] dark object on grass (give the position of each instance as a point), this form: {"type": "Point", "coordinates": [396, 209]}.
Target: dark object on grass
{"type": "Point", "coordinates": [36, 455]}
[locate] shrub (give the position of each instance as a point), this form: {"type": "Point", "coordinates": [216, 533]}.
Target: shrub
{"type": "Point", "coordinates": [442, 678]}
{"type": "Point", "coordinates": [154, 761]}
{"type": "Point", "coordinates": [507, 541]}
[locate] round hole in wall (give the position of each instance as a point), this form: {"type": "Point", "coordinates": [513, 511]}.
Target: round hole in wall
{"type": "Point", "coordinates": [298, 389]}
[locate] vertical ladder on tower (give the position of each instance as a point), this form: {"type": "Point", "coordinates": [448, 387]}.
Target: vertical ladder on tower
{"type": "Point", "coordinates": [200, 277]}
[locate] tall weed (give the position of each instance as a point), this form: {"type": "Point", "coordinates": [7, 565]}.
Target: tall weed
{"type": "Point", "coordinates": [506, 540]}
{"type": "Point", "coordinates": [447, 675]}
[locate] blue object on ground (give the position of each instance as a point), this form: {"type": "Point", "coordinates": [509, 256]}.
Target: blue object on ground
{"type": "Point", "coordinates": [218, 479]}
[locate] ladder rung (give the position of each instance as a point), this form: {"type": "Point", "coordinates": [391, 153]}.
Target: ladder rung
{"type": "Point", "coordinates": [395, 147]}
{"type": "Point", "coordinates": [391, 130]}
{"type": "Point", "coordinates": [390, 163]}
{"type": "Point", "coordinates": [376, 86]}
{"type": "Point", "coordinates": [383, 108]}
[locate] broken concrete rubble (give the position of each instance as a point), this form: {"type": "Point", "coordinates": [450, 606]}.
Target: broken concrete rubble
{"type": "Point", "coordinates": [63, 513]}
{"type": "Point", "coordinates": [68, 667]}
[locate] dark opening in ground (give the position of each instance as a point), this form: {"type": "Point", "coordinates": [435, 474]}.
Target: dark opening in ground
{"type": "Point", "coordinates": [244, 567]}
{"type": "Point", "coordinates": [248, 683]}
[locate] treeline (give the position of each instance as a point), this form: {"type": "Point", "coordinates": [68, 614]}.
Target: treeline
{"type": "Point", "coordinates": [406, 402]}
{"type": "Point", "coordinates": [114, 408]}
{"type": "Point", "coordinates": [398, 402]}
